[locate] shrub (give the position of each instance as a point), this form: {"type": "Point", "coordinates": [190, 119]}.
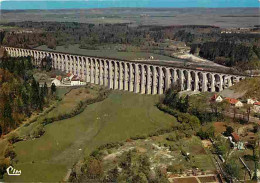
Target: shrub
{"type": "Point", "coordinates": [173, 147]}
{"type": "Point", "coordinates": [9, 152]}
{"type": "Point", "coordinates": [3, 165]}
{"type": "Point", "coordinates": [93, 168]}
{"type": "Point", "coordinates": [172, 169]}
{"type": "Point", "coordinates": [13, 138]}
{"type": "Point", "coordinates": [171, 137]}
{"type": "Point", "coordinates": [38, 132]}
{"type": "Point", "coordinates": [232, 169]}
{"type": "Point", "coordinates": [180, 135]}
{"type": "Point", "coordinates": [248, 157]}
{"type": "Point", "coordinates": [203, 135]}
{"type": "Point", "coordinates": [95, 154]}
{"type": "Point", "coordinates": [110, 145]}
{"type": "Point", "coordinates": [139, 137]}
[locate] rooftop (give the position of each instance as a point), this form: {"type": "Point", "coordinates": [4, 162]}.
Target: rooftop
{"type": "Point", "coordinates": [232, 100]}
{"type": "Point", "coordinates": [235, 136]}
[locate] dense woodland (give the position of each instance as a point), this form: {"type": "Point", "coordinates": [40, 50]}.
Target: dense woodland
{"type": "Point", "coordinates": [237, 49]}
{"type": "Point", "coordinates": [20, 93]}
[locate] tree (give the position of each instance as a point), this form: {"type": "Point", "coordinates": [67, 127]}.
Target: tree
{"type": "Point", "coordinates": [183, 104]}
{"type": "Point", "coordinates": [248, 108]}
{"type": "Point", "coordinates": [45, 89]}
{"type": "Point", "coordinates": [171, 98]}
{"type": "Point", "coordinates": [194, 122]}
{"type": "Point", "coordinates": [53, 88]}
{"type": "Point", "coordinates": [46, 63]}
{"type": "Point", "coordinates": [34, 94]}
{"type": "Point", "coordinates": [224, 106]}
{"type": "Point", "coordinates": [112, 175]}
{"type": "Point", "coordinates": [144, 165]}
{"type": "Point", "coordinates": [234, 113]}
{"type": "Point", "coordinates": [7, 113]}
{"type": "Point", "coordinates": [161, 176]}
{"type": "Point", "coordinates": [232, 169]}
{"type": "Point", "coordinates": [93, 168]}
{"type": "Point", "coordinates": [228, 131]}
{"type": "Point", "coordinates": [139, 177]}
{"type": "Point", "coordinates": [206, 134]}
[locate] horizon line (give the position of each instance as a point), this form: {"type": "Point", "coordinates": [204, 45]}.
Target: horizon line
{"type": "Point", "coordinates": [49, 9]}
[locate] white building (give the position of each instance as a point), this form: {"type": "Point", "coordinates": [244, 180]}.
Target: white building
{"type": "Point", "coordinates": [256, 107]}
{"type": "Point", "coordinates": [234, 102]}
{"type": "Point", "coordinates": [251, 101]}
{"type": "Point", "coordinates": [56, 81]}
{"type": "Point", "coordinates": [239, 104]}
{"type": "Point", "coordinates": [216, 98]}
{"type": "Point", "coordinates": [76, 81]}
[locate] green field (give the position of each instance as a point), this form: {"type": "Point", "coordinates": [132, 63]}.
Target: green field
{"type": "Point", "coordinates": [117, 118]}
{"type": "Point", "coordinates": [74, 49]}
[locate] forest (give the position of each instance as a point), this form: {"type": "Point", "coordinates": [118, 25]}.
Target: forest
{"type": "Point", "coordinates": [241, 50]}
{"type": "Point", "coordinates": [20, 93]}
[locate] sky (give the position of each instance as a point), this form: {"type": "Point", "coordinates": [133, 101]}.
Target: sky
{"type": "Point", "coordinates": [82, 4]}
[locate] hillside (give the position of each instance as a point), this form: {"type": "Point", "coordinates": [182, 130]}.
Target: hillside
{"type": "Point", "coordinates": [248, 88]}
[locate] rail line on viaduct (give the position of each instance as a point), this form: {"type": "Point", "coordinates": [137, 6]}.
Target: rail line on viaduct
{"type": "Point", "coordinates": [138, 77]}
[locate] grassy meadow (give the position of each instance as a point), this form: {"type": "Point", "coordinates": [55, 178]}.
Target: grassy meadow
{"type": "Point", "coordinates": [107, 52]}
{"type": "Point", "coordinates": [117, 118]}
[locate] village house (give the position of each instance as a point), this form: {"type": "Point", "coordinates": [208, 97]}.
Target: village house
{"type": "Point", "coordinates": [235, 137]}
{"type": "Point", "coordinates": [76, 81]}
{"type": "Point", "coordinates": [216, 98]}
{"type": "Point", "coordinates": [70, 76]}
{"type": "Point", "coordinates": [251, 101]}
{"type": "Point", "coordinates": [57, 81]}
{"type": "Point", "coordinates": [256, 107]}
{"type": "Point", "coordinates": [235, 141]}
{"type": "Point", "coordinates": [234, 102]}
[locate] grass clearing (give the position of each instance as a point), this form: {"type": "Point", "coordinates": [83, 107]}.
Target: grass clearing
{"type": "Point", "coordinates": [71, 97]}
{"type": "Point", "coordinates": [117, 118]}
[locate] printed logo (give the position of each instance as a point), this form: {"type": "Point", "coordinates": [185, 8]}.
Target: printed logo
{"type": "Point", "coordinates": [11, 171]}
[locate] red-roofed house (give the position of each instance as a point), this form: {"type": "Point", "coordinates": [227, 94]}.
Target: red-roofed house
{"type": "Point", "coordinates": [235, 137]}
{"type": "Point", "coordinates": [216, 98]}
{"type": "Point", "coordinates": [59, 78]}
{"type": "Point", "coordinates": [234, 102]}
{"type": "Point", "coordinates": [70, 76]}
{"type": "Point", "coordinates": [256, 107]}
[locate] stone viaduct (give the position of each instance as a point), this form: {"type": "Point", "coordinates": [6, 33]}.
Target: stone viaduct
{"type": "Point", "coordinates": [131, 76]}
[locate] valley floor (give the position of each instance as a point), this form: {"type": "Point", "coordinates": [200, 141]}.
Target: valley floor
{"type": "Point", "coordinates": [117, 118]}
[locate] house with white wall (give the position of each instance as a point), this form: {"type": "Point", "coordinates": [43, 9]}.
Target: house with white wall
{"type": "Point", "coordinates": [251, 101]}
{"type": "Point", "coordinates": [234, 102]}
{"type": "Point", "coordinates": [256, 107]}
{"type": "Point", "coordinates": [216, 98]}
{"type": "Point", "coordinates": [57, 81]}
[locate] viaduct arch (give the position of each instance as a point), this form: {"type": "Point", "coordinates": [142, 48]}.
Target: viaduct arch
{"type": "Point", "coordinates": [131, 76]}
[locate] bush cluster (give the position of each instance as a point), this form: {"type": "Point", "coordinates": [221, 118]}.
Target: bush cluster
{"type": "Point", "coordinates": [79, 109]}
